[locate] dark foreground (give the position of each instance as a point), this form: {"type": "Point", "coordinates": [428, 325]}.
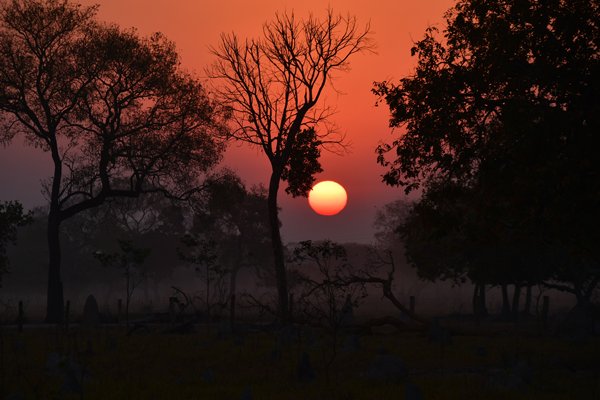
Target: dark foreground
{"type": "Point", "coordinates": [213, 363]}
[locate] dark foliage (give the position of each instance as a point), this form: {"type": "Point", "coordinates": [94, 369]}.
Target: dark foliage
{"type": "Point", "coordinates": [11, 217]}
{"type": "Point", "coordinates": [304, 164]}
{"type": "Point", "coordinates": [501, 118]}
{"type": "Point", "coordinates": [114, 111]}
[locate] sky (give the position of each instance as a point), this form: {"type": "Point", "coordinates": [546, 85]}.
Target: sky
{"type": "Point", "coordinates": [195, 25]}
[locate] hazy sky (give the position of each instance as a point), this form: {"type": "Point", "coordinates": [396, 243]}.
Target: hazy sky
{"type": "Point", "coordinates": [194, 25]}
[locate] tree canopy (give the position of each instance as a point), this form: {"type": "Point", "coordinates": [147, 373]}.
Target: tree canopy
{"type": "Point", "coordinates": [507, 85]}
{"type": "Point", "coordinates": [503, 108]}
{"type": "Point", "coordinates": [115, 111]}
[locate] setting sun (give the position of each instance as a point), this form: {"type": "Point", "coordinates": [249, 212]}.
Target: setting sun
{"type": "Point", "coordinates": [327, 198]}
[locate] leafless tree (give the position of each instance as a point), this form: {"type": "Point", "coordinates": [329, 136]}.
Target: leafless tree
{"type": "Point", "coordinates": [274, 87]}
{"type": "Point", "coordinates": [380, 271]}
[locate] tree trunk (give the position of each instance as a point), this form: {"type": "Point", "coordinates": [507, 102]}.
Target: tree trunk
{"type": "Point", "coordinates": [127, 298]}
{"type": "Point", "coordinates": [479, 301]}
{"type": "Point", "coordinates": [208, 292]}
{"type": "Point", "coordinates": [528, 296]}
{"type": "Point", "coordinates": [505, 301]}
{"type": "Point", "coordinates": [476, 300]}
{"type": "Point", "coordinates": [54, 305]}
{"type": "Point", "coordinates": [54, 310]}
{"type": "Point", "coordinates": [482, 301]}
{"type": "Point", "coordinates": [515, 303]}
{"type": "Point", "coordinates": [233, 280]}
{"type": "Point", "coordinates": [55, 301]}
{"type": "Point", "coordinates": [280, 273]}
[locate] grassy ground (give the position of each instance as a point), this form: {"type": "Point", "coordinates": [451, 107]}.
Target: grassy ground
{"type": "Point", "coordinates": [47, 363]}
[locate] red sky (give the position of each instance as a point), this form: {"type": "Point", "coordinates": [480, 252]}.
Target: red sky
{"type": "Point", "coordinates": [194, 25]}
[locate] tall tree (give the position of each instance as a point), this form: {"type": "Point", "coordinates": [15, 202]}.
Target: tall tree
{"type": "Point", "coordinates": [505, 104]}
{"type": "Point", "coordinates": [274, 86]}
{"type": "Point", "coordinates": [114, 111]}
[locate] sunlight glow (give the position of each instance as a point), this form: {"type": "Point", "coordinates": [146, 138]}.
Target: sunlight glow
{"type": "Point", "coordinates": [327, 198]}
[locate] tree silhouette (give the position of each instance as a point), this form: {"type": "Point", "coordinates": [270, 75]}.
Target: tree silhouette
{"type": "Point", "coordinates": [114, 111]}
{"type": "Point", "coordinates": [152, 221]}
{"type": "Point", "coordinates": [274, 87]}
{"type": "Point", "coordinates": [450, 234]}
{"type": "Point", "coordinates": [387, 221]}
{"type": "Point", "coordinates": [129, 259]}
{"type": "Point", "coordinates": [202, 252]}
{"type": "Point", "coordinates": [11, 217]}
{"type": "Point", "coordinates": [324, 298]}
{"type": "Point", "coordinates": [236, 218]}
{"type": "Point", "coordinates": [505, 104]}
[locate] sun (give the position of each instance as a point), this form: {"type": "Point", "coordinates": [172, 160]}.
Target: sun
{"type": "Point", "coordinates": [327, 198]}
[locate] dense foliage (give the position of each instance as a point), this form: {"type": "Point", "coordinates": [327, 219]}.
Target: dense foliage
{"type": "Point", "coordinates": [500, 123]}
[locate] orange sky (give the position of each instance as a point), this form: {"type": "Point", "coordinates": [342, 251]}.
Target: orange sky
{"type": "Point", "coordinates": [194, 25]}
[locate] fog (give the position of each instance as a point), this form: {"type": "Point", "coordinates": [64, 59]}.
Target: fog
{"type": "Point", "coordinates": [84, 276]}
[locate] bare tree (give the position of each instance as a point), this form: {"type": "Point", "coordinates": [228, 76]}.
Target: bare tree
{"type": "Point", "coordinates": [116, 113]}
{"type": "Point", "coordinates": [380, 271]}
{"type": "Point", "coordinates": [274, 86]}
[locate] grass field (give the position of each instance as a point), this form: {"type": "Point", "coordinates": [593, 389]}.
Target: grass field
{"type": "Point", "coordinates": [105, 363]}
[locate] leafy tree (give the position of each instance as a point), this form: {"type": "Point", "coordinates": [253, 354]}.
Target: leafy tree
{"type": "Point", "coordinates": [235, 220]}
{"type": "Point", "coordinates": [28, 260]}
{"type": "Point", "coordinates": [505, 106]}
{"type": "Point", "coordinates": [114, 111]}
{"type": "Point", "coordinates": [274, 87]}
{"type": "Point", "coordinates": [239, 223]}
{"type": "Point", "coordinates": [449, 235]}
{"type": "Point", "coordinates": [11, 217]}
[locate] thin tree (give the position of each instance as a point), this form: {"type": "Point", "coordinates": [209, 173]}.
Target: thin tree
{"type": "Point", "coordinates": [115, 112]}
{"type": "Point", "coordinates": [129, 259]}
{"type": "Point", "coordinates": [202, 252]}
{"type": "Point", "coordinates": [274, 86]}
